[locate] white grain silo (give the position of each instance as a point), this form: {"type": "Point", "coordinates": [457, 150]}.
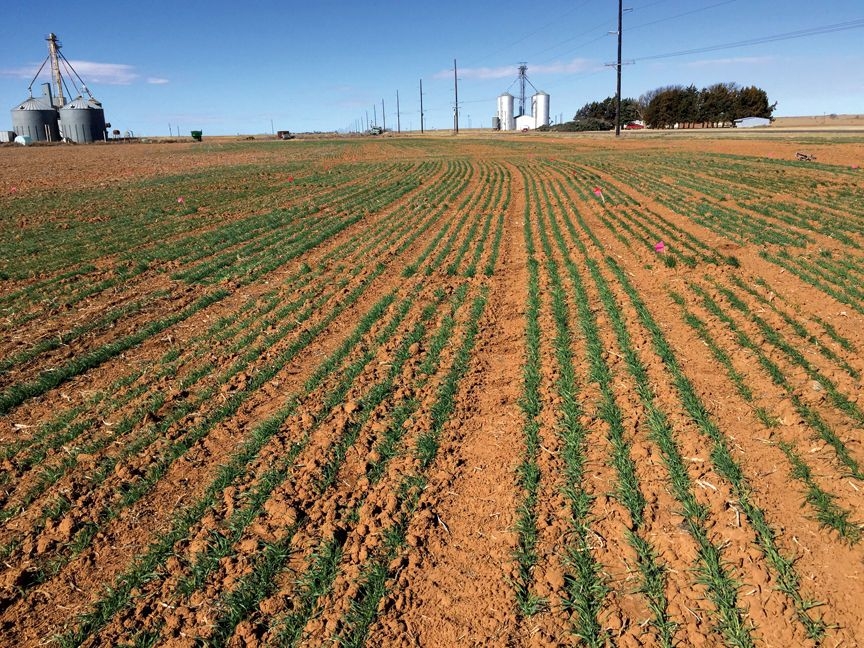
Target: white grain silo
{"type": "Point", "coordinates": [523, 120]}
{"type": "Point", "coordinates": [540, 109]}
{"type": "Point", "coordinates": [505, 112]}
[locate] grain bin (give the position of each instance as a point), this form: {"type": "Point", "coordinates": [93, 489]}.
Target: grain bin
{"type": "Point", "coordinates": [540, 109]}
{"type": "Point", "coordinates": [36, 118]}
{"type": "Point", "coordinates": [505, 111]}
{"type": "Point", "coordinates": [83, 120]}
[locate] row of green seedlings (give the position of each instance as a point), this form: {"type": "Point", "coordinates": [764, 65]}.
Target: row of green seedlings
{"type": "Point", "coordinates": [248, 320]}
{"type": "Point", "coordinates": [193, 246]}
{"type": "Point", "coordinates": [833, 281]}
{"type": "Point", "coordinates": [59, 431]}
{"type": "Point", "coordinates": [501, 203]}
{"type": "Point", "coordinates": [828, 329]}
{"type": "Point", "coordinates": [442, 207]}
{"type": "Point", "coordinates": [230, 406]}
{"type": "Point", "coordinates": [497, 178]}
{"type": "Point", "coordinates": [37, 304]}
{"type": "Point", "coordinates": [469, 207]}
{"type": "Point", "coordinates": [799, 328]}
{"type": "Point", "coordinates": [652, 573]}
{"type": "Point", "coordinates": [99, 323]}
{"type": "Point", "coordinates": [810, 415]}
{"type": "Point", "coordinates": [269, 223]}
{"type": "Point", "coordinates": [838, 226]}
{"type": "Point", "coordinates": [758, 189]}
{"type": "Point", "coordinates": [250, 189]}
{"type": "Point", "coordinates": [238, 469]}
{"type": "Point", "coordinates": [717, 215]}
{"type": "Point", "coordinates": [837, 214]}
{"type": "Point", "coordinates": [315, 582]}
{"type": "Point", "coordinates": [339, 398]}
{"type": "Point", "coordinates": [841, 401]}
{"type": "Point", "coordinates": [83, 239]}
{"type": "Point", "coordinates": [827, 511]}
{"type": "Point", "coordinates": [16, 394]}
{"type": "Point", "coordinates": [528, 471]}
{"type": "Point", "coordinates": [378, 569]}
{"type": "Point", "coordinates": [240, 262]}
{"type": "Point", "coordinates": [722, 587]}
{"type": "Point", "coordinates": [831, 219]}
{"type": "Point", "coordinates": [234, 401]}
{"type": "Point", "coordinates": [584, 584]}
{"type": "Point", "coordinates": [323, 565]}
{"type": "Point", "coordinates": [240, 601]}
{"type": "Point", "coordinates": [789, 582]}
{"type": "Point", "coordinates": [647, 226]}
{"type": "Point", "coordinates": [63, 286]}
{"type": "Point", "coordinates": [465, 208]}
{"type": "Point", "coordinates": [53, 434]}
{"type": "Point", "coordinates": [390, 188]}
{"type": "Point", "coordinates": [134, 489]}
{"type": "Point", "coordinates": [68, 428]}
{"type": "Point", "coordinates": [251, 331]}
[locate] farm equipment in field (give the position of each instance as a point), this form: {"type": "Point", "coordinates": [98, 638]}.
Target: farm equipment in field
{"type": "Point", "coordinates": [806, 157]}
{"type": "Point", "coordinates": [284, 135]}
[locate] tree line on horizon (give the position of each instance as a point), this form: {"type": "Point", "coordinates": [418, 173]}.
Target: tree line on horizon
{"type": "Point", "coordinates": [717, 105]}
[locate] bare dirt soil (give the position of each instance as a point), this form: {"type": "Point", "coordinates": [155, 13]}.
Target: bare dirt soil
{"type": "Point", "coordinates": [433, 392]}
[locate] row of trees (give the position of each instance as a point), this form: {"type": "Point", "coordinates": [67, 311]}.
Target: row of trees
{"type": "Point", "coordinates": [716, 105]}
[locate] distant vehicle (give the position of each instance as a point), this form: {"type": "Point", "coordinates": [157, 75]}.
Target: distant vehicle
{"type": "Point", "coordinates": [376, 130]}
{"type": "Point", "coordinates": [284, 135]}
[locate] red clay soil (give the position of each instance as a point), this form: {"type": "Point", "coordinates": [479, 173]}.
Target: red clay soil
{"type": "Point", "coordinates": [309, 366]}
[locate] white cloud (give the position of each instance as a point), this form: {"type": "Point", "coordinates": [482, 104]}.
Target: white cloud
{"type": "Point", "coordinates": [157, 81]}
{"type": "Point", "coordinates": [105, 73]}
{"type": "Point", "coordinates": [91, 71]}
{"type": "Point", "coordinates": [565, 67]}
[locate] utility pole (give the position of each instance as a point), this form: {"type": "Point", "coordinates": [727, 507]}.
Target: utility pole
{"type": "Point", "coordinates": [618, 71]}
{"type": "Point", "coordinates": [421, 106]}
{"type": "Point", "coordinates": [383, 116]}
{"type": "Point", "coordinates": [374, 115]}
{"type": "Point", "coordinates": [456, 92]}
{"type": "Point", "coordinates": [398, 118]}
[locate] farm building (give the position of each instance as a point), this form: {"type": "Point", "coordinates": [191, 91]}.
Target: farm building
{"type": "Point", "coordinates": [507, 119]}
{"type": "Point", "coordinates": [49, 117]}
{"type": "Point", "coordinates": [752, 122]}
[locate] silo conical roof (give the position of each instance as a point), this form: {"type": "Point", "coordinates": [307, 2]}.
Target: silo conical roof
{"type": "Point", "coordinates": [35, 103]}
{"type": "Point", "coordinates": [82, 103]}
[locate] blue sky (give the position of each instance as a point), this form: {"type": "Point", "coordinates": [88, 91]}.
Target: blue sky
{"type": "Point", "coordinates": [322, 65]}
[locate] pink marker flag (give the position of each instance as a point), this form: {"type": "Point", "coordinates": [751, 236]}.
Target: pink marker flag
{"type": "Point", "coordinates": [290, 178]}
{"type": "Point", "coordinates": [13, 190]}
{"type": "Point", "coordinates": [599, 193]}
{"type": "Point", "coordinates": [180, 200]}
{"type": "Point", "coordinates": [660, 246]}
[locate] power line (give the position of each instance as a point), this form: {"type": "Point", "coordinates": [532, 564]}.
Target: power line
{"type": "Point", "coordinates": [681, 15]}
{"type": "Point", "coordinates": [801, 33]}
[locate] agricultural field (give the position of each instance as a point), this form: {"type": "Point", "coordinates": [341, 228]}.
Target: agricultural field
{"type": "Point", "coordinates": [498, 391]}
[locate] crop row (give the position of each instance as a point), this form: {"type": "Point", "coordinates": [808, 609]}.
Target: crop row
{"type": "Point", "coordinates": [586, 594]}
